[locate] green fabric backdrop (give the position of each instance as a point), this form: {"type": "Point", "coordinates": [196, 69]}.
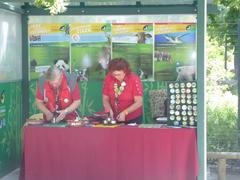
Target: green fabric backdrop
{"type": "Point", "coordinates": [10, 133]}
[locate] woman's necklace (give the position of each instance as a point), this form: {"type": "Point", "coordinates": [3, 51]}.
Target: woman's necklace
{"type": "Point", "coordinates": [118, 91]}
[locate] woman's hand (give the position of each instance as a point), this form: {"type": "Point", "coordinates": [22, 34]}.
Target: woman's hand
{"type": "Point", "coordinates": [49, 116]}
{"type": "Point", "coordinates": [121, 117]}
{"type": "Point", "coordinates": [111, 113]}
{"type": "Point", "coordinates": [62, 114]}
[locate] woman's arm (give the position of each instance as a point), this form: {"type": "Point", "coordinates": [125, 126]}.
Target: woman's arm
{"type": "Point", "coordinates": [137, 104]}
{"type": "Point", "coordinates": [44, 109]}
{"type": "Point", "coordinates": [106, 105]}
{"type": "Point", "coordinates": [69, 109]}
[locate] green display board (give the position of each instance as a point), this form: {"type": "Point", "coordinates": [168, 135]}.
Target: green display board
{"type": "Point", "coordinates": [10, 128]}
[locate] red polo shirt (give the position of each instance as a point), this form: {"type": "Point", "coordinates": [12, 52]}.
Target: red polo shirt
{"type": "Point", "coordinates": [126, 98]}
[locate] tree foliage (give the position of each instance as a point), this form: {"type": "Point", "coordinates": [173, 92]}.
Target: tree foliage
{"type": "Point", "coordinates": [222, 101]}
{"type": "Point", "coordinates": [223, 26]}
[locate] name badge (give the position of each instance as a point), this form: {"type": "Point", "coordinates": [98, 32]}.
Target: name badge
{"type": "Point", "coordinates": [66, 100]}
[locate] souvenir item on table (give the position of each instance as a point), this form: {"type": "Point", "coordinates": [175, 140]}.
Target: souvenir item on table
{"type": "Point", "coordinates": [182, 104]}
{"type": "Point", "coordinates": [35, 119]}
{"type": "Point", "coordinates": [100, 114]}
{"type": "Point", "coordinates": [34, 122]}
{"type": "Point", "coordinates": [109, 121]}
{"type": "Point", "coordinates": [77, 123]}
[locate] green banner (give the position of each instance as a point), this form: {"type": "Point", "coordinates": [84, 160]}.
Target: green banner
{"type": "Point", "coordinates": [11, 123]}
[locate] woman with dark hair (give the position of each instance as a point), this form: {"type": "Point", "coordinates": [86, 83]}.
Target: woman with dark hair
{"type": "Point", "coordinates": [122, 93]}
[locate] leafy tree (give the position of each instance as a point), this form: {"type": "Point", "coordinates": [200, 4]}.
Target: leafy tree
{"type": "Point", "coordinates": [221, 84]}
{"type": "Point", "coordinates": [223, 26]}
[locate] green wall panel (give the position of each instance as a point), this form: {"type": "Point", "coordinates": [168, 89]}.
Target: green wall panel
{"type": "Point", "coordinates": [10, 131]}
{"type": "Point", "coordinates": [91, 97]}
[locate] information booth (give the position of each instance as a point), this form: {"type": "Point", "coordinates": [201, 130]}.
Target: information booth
{"type": "Point", "coordinates": [164, 44]}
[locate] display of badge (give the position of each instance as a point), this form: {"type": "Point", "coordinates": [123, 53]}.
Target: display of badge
{"type": "Point", "coordinates": [182, 104]}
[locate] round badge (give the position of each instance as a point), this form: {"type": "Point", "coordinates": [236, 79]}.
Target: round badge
{"type": "Point", "coordinates": [183, 101]}
{"type": "Point", "coordinates": [172, 91]}
{"type": "Point", "coordinates": [184, 123]}
{"type": "Point", "coordinates": [178, 107]}
{"type": "Point", "coordinates": [66, 100]}
{"type": "Point", "coordinates": [184, 118]}
{"type": "Point", "coordinates": [171, 106]}
{"type": "Point", "coordinates": [191, 123]}
{"type": "Point", "coordinates": [171, 112]}
{"type": "Point", "coordinates": [195, 113]}
{"type": "Point", "coordinates": [183, 95]}
{"type": "Point", "coordinates": [177, 91]}
{"type": "Point", "coordinates": [189, 84]}
{"type": "Point", "coordinates": [178, 118]}
{"type": "Point", "coordinates": [172, 101]}
{"type": "Point", "coordinates": [175, 123]}
{"type": "Point", "coordinates": [191, 118]}
{"type": "Point", "coordinates": [176, 85]}
{"type": "Point", "coordinates": [189, 113]}
{"type": "Point", "coordinates": [194, 108]}
{"type": "Point", "coordinates": [194, 90]}
{"type": "Point", "coordinates": [178, 101]}
{"type": "Point", "coordinates": [171, 85]}
{"type": "Point", "coordinates": [189, 107]}
{"type": "Point", "coordinates": [194, 84]}
{"type": "Point", "coordinates": [182, 85]}
{"type": "Point", "coordinates": [184, 107]}
{"type": "Point", "coordinates": [177, 113]}
{"type": "Point", "coordinates": [188, 91]}
{"type": "Point", "coordinates": [194, 101]}
{"type": "Point", "coordinates": [184, 113]}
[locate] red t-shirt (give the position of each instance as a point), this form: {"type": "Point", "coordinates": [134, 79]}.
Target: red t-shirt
{"type": "Point", "coordinates": [126, 98]}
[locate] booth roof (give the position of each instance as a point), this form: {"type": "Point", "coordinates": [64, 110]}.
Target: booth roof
{"type": "Point", "coordinates": [112, 2]}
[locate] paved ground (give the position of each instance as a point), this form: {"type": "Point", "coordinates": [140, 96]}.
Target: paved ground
{"type": "Point", "coordinates": [11, 176]}
{"type": "Point", "coordinates": [211, 175]}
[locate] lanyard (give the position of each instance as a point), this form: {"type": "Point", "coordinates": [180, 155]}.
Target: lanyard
{"type": "Point", "coordinates": [56, 104]}
{"type": "Point", "coordinates": [116, 104]}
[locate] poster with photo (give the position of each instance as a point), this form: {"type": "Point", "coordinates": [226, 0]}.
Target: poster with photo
{"type": "Point", "coordinates": [134, 42]}
{"type": "Point", "coordinates": [90, 50]}
{"type": "Point", "coordinates": [175, 52]}
{"type": "Point", "coordinates": [49, 45]}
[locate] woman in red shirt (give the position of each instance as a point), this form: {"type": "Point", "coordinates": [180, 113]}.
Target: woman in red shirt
{"type": "Point", "coordinates": [122, 92]}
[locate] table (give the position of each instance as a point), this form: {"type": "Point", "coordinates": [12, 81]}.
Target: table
{"type": "Point", "coordinates": [123, 153]}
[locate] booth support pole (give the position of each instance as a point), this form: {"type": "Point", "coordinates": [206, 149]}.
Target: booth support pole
{"type": "Point", "coordinates": [25, 67]}
{"type": "Point", "coordinates": [237, 70]}
{"type": "Point", "coordinates": [201, 80]}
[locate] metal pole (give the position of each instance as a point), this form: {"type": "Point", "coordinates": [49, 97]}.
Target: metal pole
{"type": "Point", "coordinates": [201, 80]}
{"type": "Point", "coordinates": [25, 82]}
{"type": "Point", "coordinates": [238, 74]}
